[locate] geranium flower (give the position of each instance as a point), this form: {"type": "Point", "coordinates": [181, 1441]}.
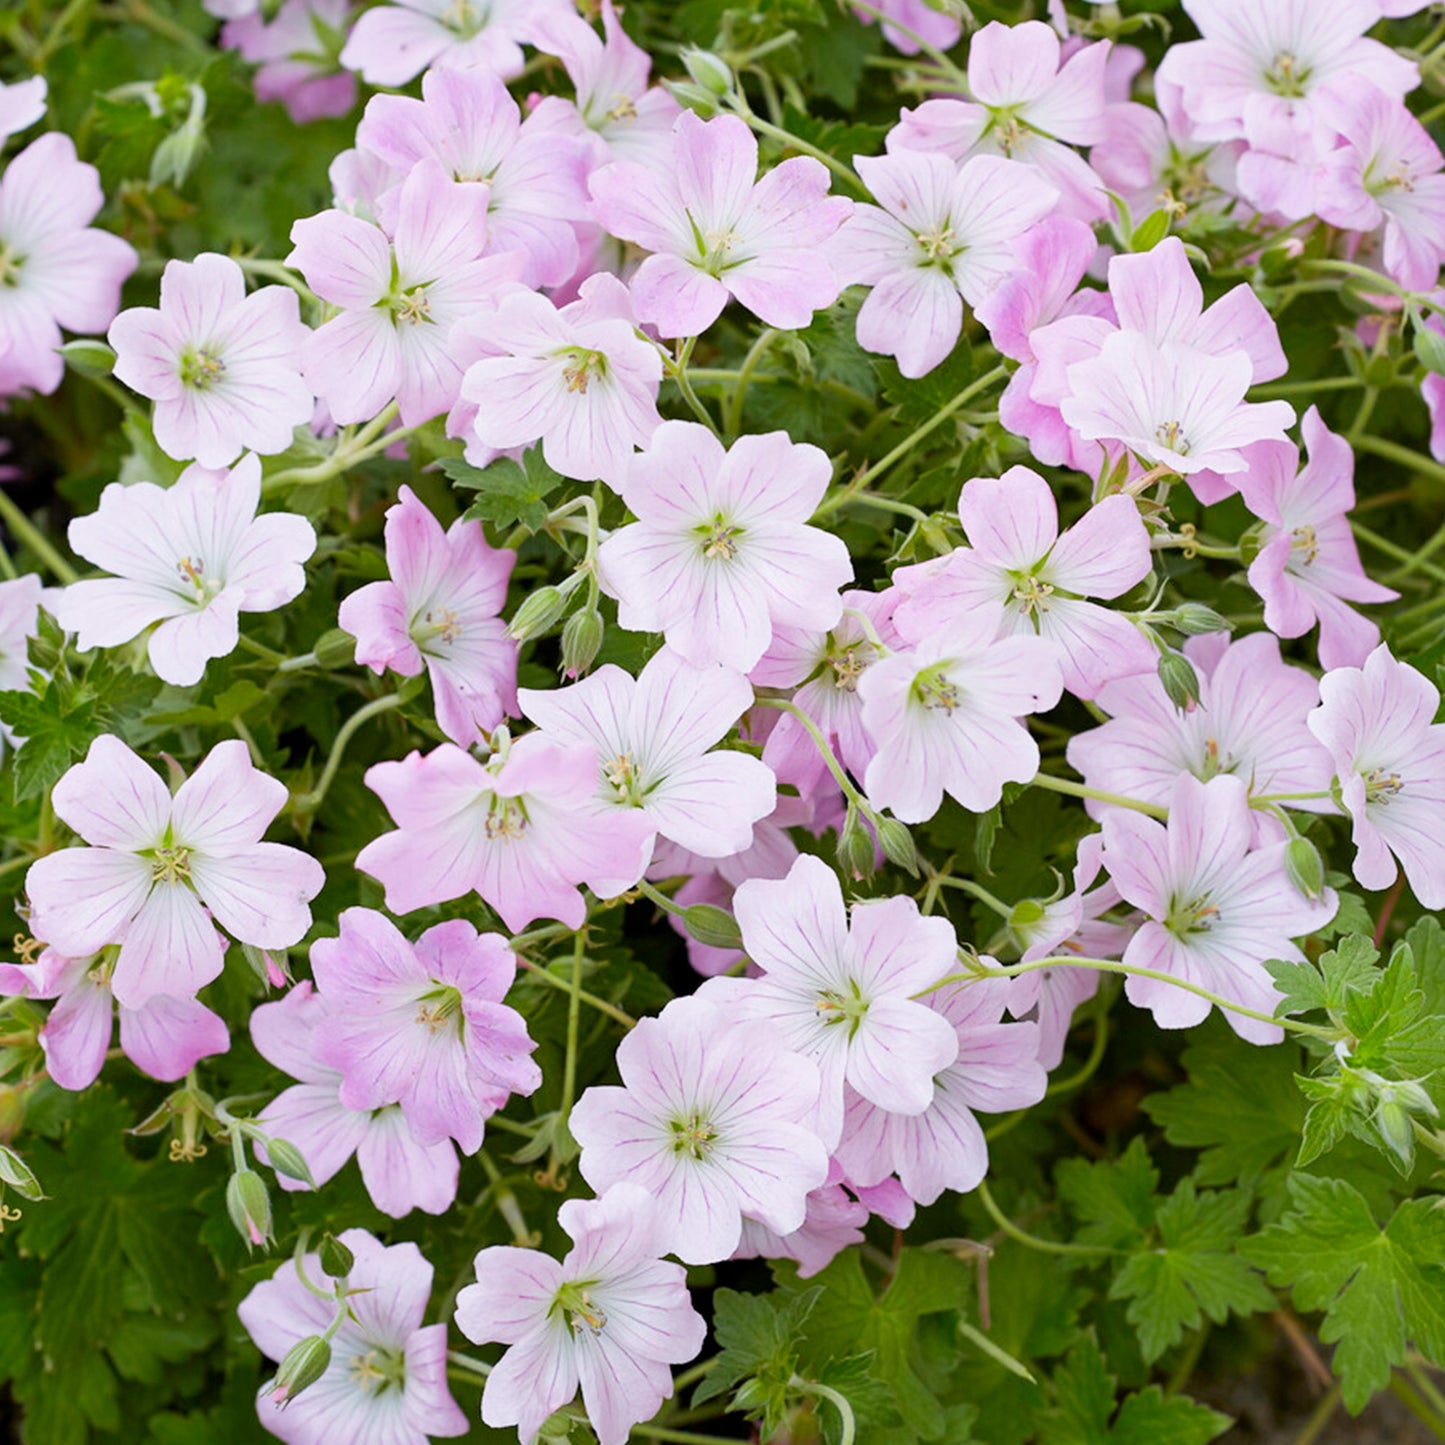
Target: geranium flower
{"type": "Point", "coordinates": [21, 105]}
{"type": "Point", "coordinates": [440, 611]}
{"type": "Point", "coordinates": [293, 67]}
{"type": "Point", "coordinates": [721, 552]}
{"type": "Point", "coordinates": [191, 557]}
{"type": "Point", "coordinates": [611, 1318]}
{"type": "Point", "coordinates": [158, 868]}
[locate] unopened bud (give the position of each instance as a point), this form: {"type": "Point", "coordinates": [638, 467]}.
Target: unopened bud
{"type": "Point", "coordinates": [538, 613]}
{"type": "Point", "coordinates": [89, 357]}
{"type": "Point", "coordinates": [694, 97]}
{"type": "Point", "coordinates": [713, 926]}
{"type": "Point", "coordinates": [16, 1174]}
{"type": "Point", "coordinates": [935, 532]}
{"type": "Point", "coordinates": [305, 1363]}
{"type": "Point", "coordinates": [856, 854]}
{"type": "Point", "coordinates": [1180, 681]}
{"type": "Point", "coordinates": [287, 1159]}
{"type": "Point", "coordinates": [1251, 543]}
{"type": "Point", "coordinates": [1304, 867]}
{"type": "Point", "coordinates": [1397, 1131]}
{"type": "Point", "coordinates": [1194, 619]}
{"type": "Point", "coordinates": [249, 1206]}
{"type": "Point", "coordinates": [271, 966]}
{"type": "Point", "coordinates": [709, 71]}
{"type": "Point", "coordinates": [581, 641]}
{"type": "Point", "coordinates": [335, 649]}
{"type": "Point", "coordinates": [897, 844]}
{"type": "Point", "coordinates": [1429, 349]}
{"type": "Point", "coordinates": [337, 1261]}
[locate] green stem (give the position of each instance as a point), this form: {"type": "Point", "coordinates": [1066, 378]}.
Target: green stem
{"type": "Point", "coordinates": [825, 752]}
{"type": "Point", "coordinates": [794, 142]}
{"type": "Point", "coordinates": [967, 885]}
{"type": "Point", "coordinates": [138, 12]}
{"type": "Point", "coordinates": [537, 970]}
{"type": "Point", "coordinates": [367, 443]}
{"type": "Point", "coordinates": [1046, 1246]}
{"type": "Point", "coordinates": [660, 898]}
{"type": "Point", "coordinates": [937, 56]}
{"type": "Point", "coordinates": [1417, 1406]}
{"type": "Point", "coordinates": [836, 1399]}
{"type": "Point", "coordinates": [1424, 1384]}
{"type": "Point", "coordinates": [1418, 557]}
{"type": "Point", "coordinates": [466, 1362]}
{"type": "Point", "coordinates": [1078, 790]}
{"type": "Point", "coordinates": [1406, 456]}
{"type": "Point", "coordinates": [310, 802]}
{"type": "Point", "coordinates": [676, 369]}
{"type": "Point", "coordinates": [507, 1205]}
{"type": "Point", "coordinates": [1320, 1416]}
{"type": "Point", "coordinates": [1308, 388]}
{"type": "Point", "coordinates": [839, 499]}
{"type": "Point", "coordinates": [574, 1020]}
{"type": "Point", "coordinates": [1179, 1375]}
{"type": "Point", "coordinates": [692, 1374]}
{"type": "Point", "coordinates": [1393, 549]}
{"type": "Point", "coordinates": [31, 536]}
{"type": "Point", "coordinates": [733, 418]}
{"type": "Point", "coordinates": [1377, 283]}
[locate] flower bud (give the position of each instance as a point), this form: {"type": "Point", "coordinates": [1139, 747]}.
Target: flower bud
{"type": "Point", "coordinates": [305, 1363]}
{"type": "Point", "coordinates": [335, 649]}
{"type": "Point", "coordinates": [581, 641]}
{"type": "Point", "coordinates": [89, 357]}
{"type": "Point", "coordinates": [249, 1206]}
{"type": "Point", "coordinates": [713, 926]}
{"type": "Point", "coordinates": [709, 71]}
{"type": "Point", "coordinates": [1429, 349]}
{"type": "Point", "coordinates": [1304, 867]}
{"type": "Point", "coordinates": [337, 1261]}
{"type": "Point", "coordinates": [16, 1174]}
{"type": "Point", "coordinates": [538, 613]}
{"type": "Point", "coordinates": [1251, 543]}
{"type": "Point", "coordinates": [1392, 1120]}
{"type": "Point", "coordinates": [287, 1159]}
{"type": "Point", "coordinates": [856, 855]}
{"type": "Point", "coordinates": [1180, 681]}
{"type": "Point", "coordinates": [694, 97]}
{"type": "Point", "coordinates": [1194, 619]}
{"type": "Point", "coordinates": [897, 844]}
{"type": "Point", "coordinates": [271, 966]}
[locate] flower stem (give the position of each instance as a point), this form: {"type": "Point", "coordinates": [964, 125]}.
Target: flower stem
{"type": "Point", "coordinates": [28, 533]}
{"type": "Point", "coordinates": [466, 1362]}
{"type": "Point", "coordinates": [676, 369]}
{"type": "Point", "coordinates": [1406, 456]}
{"type": "Point", "coordinates": [937, 56]}
{"type": "Point", "coordinates": [967, 885]}
{"type": "Point", "coordinates": [538, 970]}
{"type": "Point", "coordinates": [1416, 562]}
{"type": "Point", "coordinates": [367, 443]}
{"type": "Point", "coordinates": [733, 418]}
{"type": "Point", "coordinates": [1047, 1246]}
{"type": "Point", "coordinates": [1078, 790]}
{"type": "Point", "coordinates": [310, 802]}
{"type": "Point", "coordinates": [834, 766]}
{"type": "Point", "coordinates": [837, 1400]}
{"type": "Point", "coordinates": [574, 1019]}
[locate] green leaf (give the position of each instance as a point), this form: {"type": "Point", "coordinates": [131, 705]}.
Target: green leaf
{"type": "Point", "coordinates": [1426, 942]}
{"type": "Point", "coordinates": [508, 493]}
{"type": "Point", "coordinates": [1113, 1199]}
{"type": "Point", "coordinates": [1153, 1418]}
{"type": "Point", "coordinates": [1194, 1271]}
{"type": "Point", "coordinates": [58, 726]}
{"type": "Point", "coordinates": [1379, 1289]}
{"type": "Point", "coordinates": [1347, 969]}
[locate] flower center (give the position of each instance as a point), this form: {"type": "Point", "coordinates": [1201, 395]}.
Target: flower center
{"type": "Point", "coordinates": [936, 691]}
{"type": "Point", "coordinates": [1304, 545]}
{"type": "Point", "coordinates": [409, 308]}
{"type": "Point", "coordinates": [584, 366]}
{"type": "Point", "coordinates": [582, 1311]}
{"type": "Point", "coordinates": [1287, 74]}
{"type": "Point", "coordinates": [378, 1370]}
{"type": "Point", "coordinates": [848, 667]}
{"type": "Point", "coordinates": [1170, 434]}
{"type": "Point", "coordinates": [623, 777]}
{"type": "Point", "coordinates": [465, 17]}
{"type": "Point", "coordinates": [1196, 915]}
{"type": "Point", "coordinates": [938, 245]}
{"type": "Point", "coordinates": [719, 538]}
{"type": "Point", "coordinates": [436, 623]}
{"type": "Point", "coordinates": [10, 266]}
{"type": "Point", "coordinates": [506, 820]}
{"type": "Point", "coordinates": [170, 864]}
{"type": "Point", "coordinates": [1214, 762]}
{"type": "Point", "coordinates": [1008, 131]}
{"type": "Point", "coordinates": [693, 1135]}
{"type": "Point", "coordinates": [1381, 787]}
{"type": "Point", "coordinates": [623, 109]}
{"type": "Point", "coordinates": [440, 1008]}
{"type": "Point", "coordinates": [192, 572]}
{"type": "Point", "coordinates": [839, 1006]}
{"type": "Point", "coordinates": [1031, 593]}
{"type": "Point", "coordinates": [201, 368]}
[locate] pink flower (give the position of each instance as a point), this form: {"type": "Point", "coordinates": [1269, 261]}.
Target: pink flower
{"type": "Point", "coordinates": [422, 1025]}
{"type": "Point", "coordinates": [55, 270]}
{"type": "Point", "coordinates": [832, 1224]}
{"type": "Point", "coordinates": [220, 365]}
{"type": "Point", "coordinates": [1378, 722]}
{"type": "Point", "coordinates": [611, 1317]}
{"type": "Point", "coordinates": [915, 20]}
{"type": "Point", "coordinates": [400, 293]}
{"type": "Point", "coordinates": [158, 867]}
{"type": "Point", "coordinates": [21, 105]}
{"type": "Point", "coordinates": [652, 736]}
{"type": "Point", "coordinates": [294, 66]}
{"type": "Point", "coordinates": [191, 557]}
{"type": "Point", "coordinates": [1148, 158]}
{"type": "Point", "coordinates": [947, 715]}
{"type": "Point", "coordinates": [941, 235]}
{"type": "Point", "coordinates": [1025, 106]}
{"type": "Point", "coordinates": [721, 552]}
{"type": "Point", "coordinates": [1385, 173]}
{"type": "Point", "coordinates": [392, 43]}
{"type": "Point", "coordinates": [1215, 911]}
{"type": "Point", "coordinates": [1308, 565]}
{"type": "Point", "coordinates": [165, 1037]}
{"type": "Point", "coordinates": [386, 1382]}
{"type": "Point", "coordinates": [1249, 723]}
{"type": "Point", "coordinates": [520, 830]}
{"type": "Point", "coordinates": [530, 176]}
{"type": "Point", "coordinates": [718, 231]}
{"type": "Point", "coordinates": [996, 1069]}
{"type": "Point", "coordinates": [844, 996]}
{"type": "Point", "coordinates": [713, 1121]}
{"type": "Point", "coordinates": [579, 378]}
{"type": "Point", "coordinates": [1017, 557]}
{"type": "Point", "coordinates": [616, 112]}
{"type": "Point", "coordinates": [1171, 405]}
{"type": "Point", "coordinates": [440, 611]}
{"type": "Point", "coordinates": [824, 668]}
{"type": "Point", "coordinates": [400, 1173]}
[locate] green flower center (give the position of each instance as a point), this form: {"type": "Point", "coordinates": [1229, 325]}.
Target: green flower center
{"type": "Point", "coordinates": [719, 539]}
{"type": "Point", "coordinates": [379, 1370]}
{"type": "Point", "coordinates": [1287, 74]}
{"type": "Point", "coordinates": [201, 368]}
{"type": "Point", "coordinates": [693, 1135]}
{"type": "Point", "coordinates": [842, 1007]}
{"type": "Point", "coordinates": [1188, 917]}
{"type": "Point", "coordinates": [575, 1300]}
{"type": "Point", "coordinates": [936, 691]}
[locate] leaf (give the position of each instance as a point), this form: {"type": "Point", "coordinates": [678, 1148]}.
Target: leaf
{"type": "Point", "coordinates": [508, 493]}
{"type": "Point", "coordinates": [1426, 942]}
{"type": "Point", "coordinates": [1240, 1106]}
{"type": "Point", "coordinates": [58, 726]}
{"type": "Point", "coordinates": [1379, 1289]}
{"type": "Point", "coordinates": [1346, 969]}
{"type": "Point", "coordinates": [1194, 1271]}
{"type": "Point", "coordinates": [1113, 1199]}
{"type": "Point", "coordinates": [1152, 1418]}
